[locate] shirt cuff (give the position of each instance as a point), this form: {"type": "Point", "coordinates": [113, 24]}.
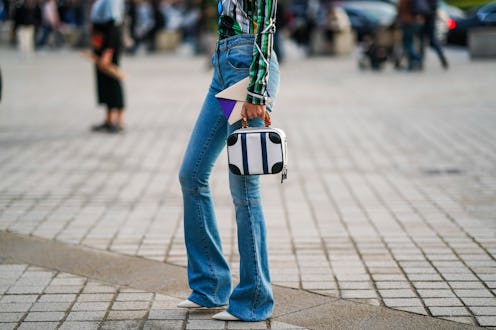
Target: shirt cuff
{"type": "Point", "coordinates": [254, 98]}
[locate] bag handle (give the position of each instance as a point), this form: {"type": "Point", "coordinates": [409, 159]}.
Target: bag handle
{"type": "Point", "coordinates": [267, 121]}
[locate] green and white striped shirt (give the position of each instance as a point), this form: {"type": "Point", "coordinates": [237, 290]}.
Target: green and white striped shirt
{"type": "Point", "coordinates": [251, 17]}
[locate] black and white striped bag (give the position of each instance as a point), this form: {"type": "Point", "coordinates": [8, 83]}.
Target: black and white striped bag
{"type": "Point", "coordinates": [257, 150]}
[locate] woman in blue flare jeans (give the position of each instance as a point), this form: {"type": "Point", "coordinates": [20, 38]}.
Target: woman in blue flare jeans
{"type": "Point", "coordinates": [244, 49]}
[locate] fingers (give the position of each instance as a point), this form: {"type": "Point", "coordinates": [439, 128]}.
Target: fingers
{"type": "Point", "coordinates": [244, 115]}
{"type": "Point", "coordinates": [250, 111]}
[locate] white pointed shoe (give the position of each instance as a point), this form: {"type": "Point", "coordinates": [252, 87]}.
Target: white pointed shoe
{"type": "Point", "coordinates": [188, 304]}
{"type": "Point", "coordinates": [192, 305]}
{"type": "Point", "coordinates": [225, 316]}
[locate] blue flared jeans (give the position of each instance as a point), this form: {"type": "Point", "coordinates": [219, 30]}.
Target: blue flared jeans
{"type": "Point", "coordinates": [209, 275]}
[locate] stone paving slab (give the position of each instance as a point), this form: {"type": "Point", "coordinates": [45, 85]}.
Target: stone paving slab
{"type": "Point", "coordinates": [391, 196]}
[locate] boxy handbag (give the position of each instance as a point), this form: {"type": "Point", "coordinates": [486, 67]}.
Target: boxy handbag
{"type": "Point", "coordinates": [258, 150]}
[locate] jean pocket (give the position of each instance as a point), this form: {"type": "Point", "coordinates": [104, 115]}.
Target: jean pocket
{"type": "Point", "coordinates": [240, 56]}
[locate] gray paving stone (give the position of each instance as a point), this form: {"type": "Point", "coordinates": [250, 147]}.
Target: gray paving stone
{"type": "Point", "coordinates": [436, 293]}
{"type": "Point", "coordinates": [355, 285]}
{"type": "Point", "coordinates": [10, 317]}
{"type": "Point", "coordinates": [205, 324]}
{"type": "Point", "coordinates": [98, 288]}
{"type": "Point", "coordinates": [95, 297]}
{"type": "Point", "coordinates": [349, 294]}
{"type": "Point", "coordinates": [397, 293]}
{"type": "Point", "coordinates": [7, 326]}
{"type": "Point", "coordinates": [466, 285]}
{"type": "Point", "coordinates": [449, 311]}
{"type": "Point", "coordinates": [38, 326]}
{"type": "Point", "coordinates": [120, 325]}
{"type": "Point", "coordinates": [86, 316]}
{"type": "Point", "coordinates": [134, 296]}
{"type": "Point", "coordinates": [130, 305]}
{"type": "Point", "coordinates": [25, 298]}
{"type": "Point", "coordinates": [163, 325]}
{"type": "Point", "coordinates": [424, 277]}
{"type": "Point", "coordinates": [44, 316]}
{"type": "Point", "coordinates": [76, 325]}
{"type": "Point", "coordinates": [487, 321]}
{"type": "Point", "coordinates": [126, 315]}
{"type": "Point", "coordinates": [484, 310]}
{"type": "Point", "coordinates": [57, 298]}
{"type": "Point", "coordinates": [26, 289]}
{"type": "Point", "coordinates": [471, 293]}
{"type": "Point", "coordinates": [14, 307]}
{"type": "Point", "coordinates": [167, 314]}
{"type": "Point", "coordinates": [247, 325]}
{"type": "Point", "coordinates": [91, 306]}
{"type": "Point", "coordinates": [50, 307]}
{"type": "Point", "coordinates": [460, 277]}
{"type": "Point", "coordinates": [402, 302]}
{"type": "Point", "coordinates": [479, 301]}
{"type": "Point", "coordinates": [63, 289]}
{"type": "Point", "coordinates": [165, 304]}
{"type": "Point", "coordinates": [392, 285]}
{"type": "Point", "coordinates": [442, 302]}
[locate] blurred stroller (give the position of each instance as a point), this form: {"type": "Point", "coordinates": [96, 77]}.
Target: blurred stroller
{"type": "Point", "coordinates": [380, 46]}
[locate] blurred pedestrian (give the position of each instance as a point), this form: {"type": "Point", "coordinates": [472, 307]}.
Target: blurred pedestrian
{"type": "Point", "coordinates": [305, 14]}
{"type": "Point", "coordinates": [411, 27]}
{"type": "Point", "coordinates": [429, 32]}
{"type": "Point", "coordinates": [50, 25]}
{"type": "Point", "coordinates": [281, 23]}
{"type": "Point", "coordinates": [244, 49]}
{"type": "Point", "coordinates": [158, 25]}
{"type": "Point", "coordinates": [207, 27]}
{"type": "Point", "coordinates": [106, 18]}
{"type": "Point", "coordinates": [144, 22]}
{"type": "Point", "coordinates": [25, 19]}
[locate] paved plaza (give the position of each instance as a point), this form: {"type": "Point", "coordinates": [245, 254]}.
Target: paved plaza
{"type": "Point", "coordinates": [389, 207]}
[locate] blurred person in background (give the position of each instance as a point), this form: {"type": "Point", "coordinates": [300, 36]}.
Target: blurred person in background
{"type": "Point", "coordinates": [25, 18]}
{"type": "Point", "coordinates": [73, 17]}
{"type": "Point", "coordinates": [106, 40]}
{"type": "Point", "coordinates": [158, 25]}
{"type": "Point", "coordinates": [4, 10]}
{"type": "Point", "coordinates": [429, 32]}
{"type": "Point", "coordinates": [281, 23]}
{"type": "Point", "coordinates": [244, 49]}
{"type": "Point", "coordinates": [147, 22]}
{"type": "Point", "coordinates": [411, 27]}
{"type": "Point", "coordinates": [50, 24]}
{"type": "Point", "coordinates": [190, 27]}
{"type": "Point", "coordinates": [303, 22]}
{"type": "Point", "coordinates": [207, 27]}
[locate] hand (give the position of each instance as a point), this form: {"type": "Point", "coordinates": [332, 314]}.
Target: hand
{"type": "Point", "coordinates": [106, 59]}
{"type": "Point", "coordinates": [250, 111]}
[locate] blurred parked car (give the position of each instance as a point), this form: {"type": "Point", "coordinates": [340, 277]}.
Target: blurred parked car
{"type": "Point", "coordinates": [459, 26]}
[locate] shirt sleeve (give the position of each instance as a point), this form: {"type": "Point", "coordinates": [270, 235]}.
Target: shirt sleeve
{"type": "Point", "coordinates": [264, 34]}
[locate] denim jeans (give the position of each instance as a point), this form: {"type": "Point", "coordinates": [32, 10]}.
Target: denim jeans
{"type": "Point", "coordinates": [411, 32]}
{"type": "Point", "coordinates": [209, 275]}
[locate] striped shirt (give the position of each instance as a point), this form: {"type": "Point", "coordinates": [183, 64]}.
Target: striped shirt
{"type": "Point", "coordinates": [251, 17]}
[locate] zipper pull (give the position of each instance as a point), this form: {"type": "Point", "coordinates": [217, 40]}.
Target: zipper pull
{"type": "Point", "coordinates": [284, 175]}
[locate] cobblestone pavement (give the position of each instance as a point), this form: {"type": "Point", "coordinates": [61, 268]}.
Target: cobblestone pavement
{"type": "Point", "coordinates": [38, 298]}
{"type": "Point", "coordinates": [390, 198]}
